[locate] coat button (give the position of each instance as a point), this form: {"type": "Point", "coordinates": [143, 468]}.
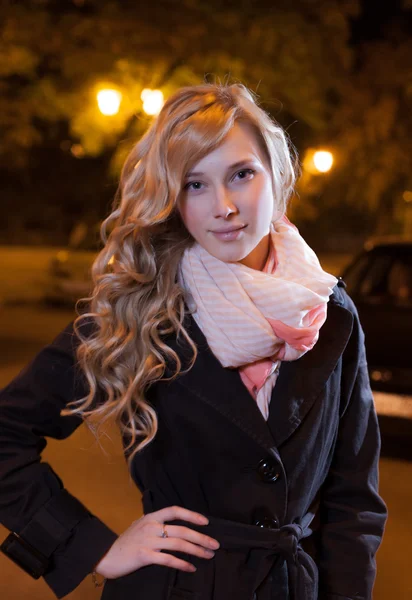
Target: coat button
{"type": "Point", "coordinates": [267, 470]}
{"type": "Point", "coordinates": [267, 523]}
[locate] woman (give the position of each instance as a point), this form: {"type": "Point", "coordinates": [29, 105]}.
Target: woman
{"type": "Point", "coordinates": [235, 367]}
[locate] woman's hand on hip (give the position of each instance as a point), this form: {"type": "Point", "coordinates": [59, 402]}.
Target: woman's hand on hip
{"type": "Point", "coordinates": [141, 544]}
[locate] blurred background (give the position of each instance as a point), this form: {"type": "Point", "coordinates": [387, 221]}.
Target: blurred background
{"type": "Point", "coordinates": [80, 82]}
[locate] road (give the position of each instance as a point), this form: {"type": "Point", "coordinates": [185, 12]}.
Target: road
{"type": "Point", "coordinates": [99, 478]}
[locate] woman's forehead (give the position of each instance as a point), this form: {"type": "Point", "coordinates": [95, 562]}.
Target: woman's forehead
{"type": "Point", "coordinates": [240, 144]}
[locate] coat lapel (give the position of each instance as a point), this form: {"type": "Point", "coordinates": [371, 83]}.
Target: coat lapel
{"type": "Point", "coordinates": [301, 381]}
{"type": "Point", "coordinates": [220, 387]}
{"type": "Point", "coordinates": [298, 385]}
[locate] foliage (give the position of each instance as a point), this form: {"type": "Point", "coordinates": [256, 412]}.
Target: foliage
{"type": "Point", "coordinates": [372, 132]}
{"type": "Point", "coordinates": [355, 99]}
{"type": "Point", "coordinates": [53, 59]}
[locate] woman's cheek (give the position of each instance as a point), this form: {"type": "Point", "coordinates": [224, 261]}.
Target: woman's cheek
{"type": "Point", "coordinates": [195, 218]}
{"type": "Point", "coordinates": [187, 214]}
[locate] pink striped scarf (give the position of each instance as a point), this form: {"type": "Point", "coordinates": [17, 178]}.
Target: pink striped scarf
{"type": "Point", "coordinates": [253, 320]}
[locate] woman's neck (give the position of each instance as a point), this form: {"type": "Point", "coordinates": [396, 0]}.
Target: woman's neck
{"type": "Point", "coordinates": [259, 255]}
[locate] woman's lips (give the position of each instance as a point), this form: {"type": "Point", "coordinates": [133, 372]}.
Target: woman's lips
{"type": "Point", "coordinates": [228, 236]}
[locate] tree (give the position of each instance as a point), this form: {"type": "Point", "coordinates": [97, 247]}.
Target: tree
{"type": "Point", "coordinates": [297, 56]}
{"type": "Point", "coordinates": [53, 59]}
{"type": "Point", "coordinates": [371, 134]}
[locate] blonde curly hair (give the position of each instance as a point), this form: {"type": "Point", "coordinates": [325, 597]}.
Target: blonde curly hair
{"type": "Point", "coordinates": [136, 300]}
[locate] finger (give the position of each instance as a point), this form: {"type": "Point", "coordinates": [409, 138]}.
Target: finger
{"type": "Point", "coordinates": [178, 545]}
{"type": "Point", "coordinates": [167, 560]}
{"type": "Point", "coordinates": [185, 533]}
{"type": "Point", "coordinates": [171, 513]}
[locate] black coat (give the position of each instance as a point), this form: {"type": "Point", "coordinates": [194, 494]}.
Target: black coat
{"type": "Point", "coordinates": [293, 501]}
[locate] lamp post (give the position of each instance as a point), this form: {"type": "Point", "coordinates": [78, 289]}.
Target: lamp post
{"type": "Point", "coordinates": [152, 101]}
{"type": "Point", "coordinates": [108, 101]}
{"type": "Point", "coordinates": [318, 162]}
{"type": "Point", "coordinates": [323, 161]}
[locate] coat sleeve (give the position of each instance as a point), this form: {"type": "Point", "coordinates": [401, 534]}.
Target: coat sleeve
{"type": "Point", "coordinates": [353, 514]}
{"type": "Point", "coordinates": [32, 496]}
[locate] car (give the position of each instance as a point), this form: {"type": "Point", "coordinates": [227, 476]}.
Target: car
{"type": "Point", "coordinates": [70, 268]}
{"type": "Point", "coordinates": [379, 280]}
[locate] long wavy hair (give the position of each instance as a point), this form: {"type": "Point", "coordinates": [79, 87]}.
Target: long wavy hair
{"type": "Point", "coordinates": [136, 299]}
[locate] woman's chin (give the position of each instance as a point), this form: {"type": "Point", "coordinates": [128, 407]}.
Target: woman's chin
{"type": "Point", "coordinates": [228, 255]}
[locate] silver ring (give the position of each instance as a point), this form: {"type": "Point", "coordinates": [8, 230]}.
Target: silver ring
{"type": "Point", "coordinates": [164, 531]}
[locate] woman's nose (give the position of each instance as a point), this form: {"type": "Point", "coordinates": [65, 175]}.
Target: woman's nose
{"type": "Point", "coordinates": [223, 204]}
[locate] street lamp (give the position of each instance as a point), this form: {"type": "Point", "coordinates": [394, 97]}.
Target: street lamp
{"type": "Point", "coordinates": [317, 162]}
{"type": "Point", "coordinates": [323, 161]}
{"type": "Point", "coordinates": [108, 101]}
{"type": "Point", "coordinates": [152, 101]}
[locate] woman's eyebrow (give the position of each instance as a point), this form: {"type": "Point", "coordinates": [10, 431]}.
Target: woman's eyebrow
{"type": "Point", "coordinates": [236, 165]}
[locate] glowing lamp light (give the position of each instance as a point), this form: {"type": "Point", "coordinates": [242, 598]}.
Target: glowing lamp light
{"type": "Point", "coordinates": [323, 161]}
{"type": "Point", "coordinates": [152, 101]}
{"type": "Point", "coordinates": [407, 196]}
{"type": "Point", "coordinates": [109, 101]}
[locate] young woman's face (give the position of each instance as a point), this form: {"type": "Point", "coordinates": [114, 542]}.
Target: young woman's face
{"type": "Point", "coordinates": [227, 201]}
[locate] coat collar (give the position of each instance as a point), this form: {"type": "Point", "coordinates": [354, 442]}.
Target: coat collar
{"type": "Point", "coordinates": [297, 387]}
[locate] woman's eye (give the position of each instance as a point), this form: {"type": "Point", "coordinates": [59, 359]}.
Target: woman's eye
{"type": "Point", "coordinates": [245, 173]}
{"type": "Point", "coordinates": [193, 185]}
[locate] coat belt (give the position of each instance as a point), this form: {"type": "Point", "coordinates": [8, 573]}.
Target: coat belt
{"type": "Point", "coordinates": [262, 548]}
